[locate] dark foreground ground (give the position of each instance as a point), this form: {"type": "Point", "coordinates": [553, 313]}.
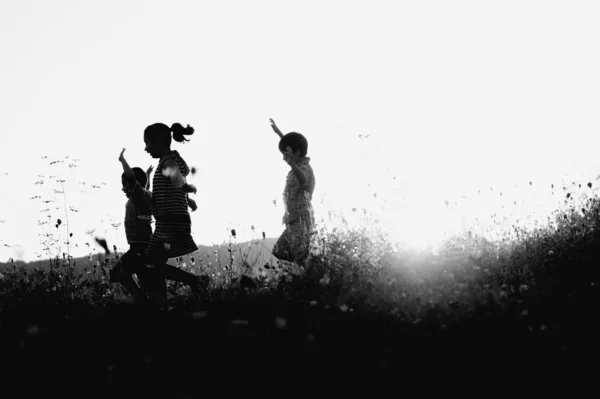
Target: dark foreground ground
{"type": "Point", "coordinates": [90, 351]}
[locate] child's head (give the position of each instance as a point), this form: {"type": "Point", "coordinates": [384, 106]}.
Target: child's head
{"type": "Point", "coordinates": [158, 137]}
{"type": "Point", "coordinates": [296, 142]}
{"type": "Point", "coordinates": [140, 176]}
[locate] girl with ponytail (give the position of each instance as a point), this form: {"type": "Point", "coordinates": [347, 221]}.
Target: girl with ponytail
{"type": "Point", "coordinates": [172, 234]}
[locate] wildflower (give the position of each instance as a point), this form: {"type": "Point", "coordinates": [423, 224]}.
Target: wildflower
{"type": "Point", "coordinates": [344, 308]}
{"type": "Point", "coordinates": [233, 232]}
{"type": "Point", "coordinates": [263, 234]}
{"type": "Point", "coordinates": [589, 185]}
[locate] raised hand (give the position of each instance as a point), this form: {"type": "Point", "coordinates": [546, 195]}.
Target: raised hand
{"type": "Point", "coordinates": [275, 128]}
{"type": "Point", "coordinates": [121, 157]}
{"type": "Point", "coordinates": [149, 170]}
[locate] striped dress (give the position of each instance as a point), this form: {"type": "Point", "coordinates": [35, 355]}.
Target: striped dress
{"type": "Point", "coordinates": [172, 233]}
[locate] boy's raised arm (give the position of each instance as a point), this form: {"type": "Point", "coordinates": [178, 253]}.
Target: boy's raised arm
{"type": "Point", "coordinates": [129, 176]}
{"type": "Point", "coordinates": [275, 128]}
{"type": "Point", "coordinates": [148, 172]}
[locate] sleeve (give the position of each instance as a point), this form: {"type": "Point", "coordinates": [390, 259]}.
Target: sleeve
{"type": "Point", "coordinates": [165, 161]}
{"type": "Point", "coordinates": [140, 197]}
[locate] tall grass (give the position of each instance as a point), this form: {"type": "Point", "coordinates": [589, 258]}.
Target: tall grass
{"type": "Point", "coordinates": [358, 267]}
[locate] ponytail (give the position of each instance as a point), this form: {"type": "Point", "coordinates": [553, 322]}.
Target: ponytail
{"type": "Point", "coordinates": [179, 131]}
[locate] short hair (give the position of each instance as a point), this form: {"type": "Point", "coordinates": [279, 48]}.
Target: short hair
{"type": "Point", "coordinates": [295, 141]}
{"type": "Point", "coordinates": [140, 176]}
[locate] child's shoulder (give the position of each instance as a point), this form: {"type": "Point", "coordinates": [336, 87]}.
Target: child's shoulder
{"type": "Point", "coordinates": [175, 156]}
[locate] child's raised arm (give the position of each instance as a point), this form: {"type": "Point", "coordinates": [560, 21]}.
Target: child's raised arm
{"type": "Point", "coordinates": [275, 128]}
{"type": "Point", "coordinates": [148, 172]}
{"type": "Point", "coordinates": [129, 176]}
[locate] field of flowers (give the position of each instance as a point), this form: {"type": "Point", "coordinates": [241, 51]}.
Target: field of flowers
{"type": "Point", "coordinates": [364, 307]}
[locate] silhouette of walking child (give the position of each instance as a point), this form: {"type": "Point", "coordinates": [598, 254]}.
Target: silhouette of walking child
{"type": "Point", "coordinates": [138, 231]}
{"type": "Point", "coordinates": [292, 247]}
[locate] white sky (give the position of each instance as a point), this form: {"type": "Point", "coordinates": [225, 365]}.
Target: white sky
{"type": "Point", "coordinates": [455, 95]}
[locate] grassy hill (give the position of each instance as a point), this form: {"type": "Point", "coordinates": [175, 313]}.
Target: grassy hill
{"type": "Point", "coordinates": [362, 312]}
{"type": "Point", "coordinates": [254, 252]}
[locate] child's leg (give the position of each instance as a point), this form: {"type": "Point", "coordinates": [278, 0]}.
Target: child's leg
{"type": "Point", "coordinates": [121, 273]}
{"type": "Point", "coordinates": [178, 235]}
{"type": "Point", "coordinates": [153, 283]}
{"type": "Point", "coordinates": [129, 283]}
{"type": "Point", "coordinates": [173, 273]}
{"type": "Point", "coordinates": [170, 272]}
{"type": "Point", "coordinates": [282, 249]}
{"type": "Point", "coordinates": [292, 248]}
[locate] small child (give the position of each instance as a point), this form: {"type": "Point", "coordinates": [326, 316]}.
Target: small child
{"type": "Point", "coordinates": [139, 232]}
{"type": "Point", "coordinates": [292, 247]}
